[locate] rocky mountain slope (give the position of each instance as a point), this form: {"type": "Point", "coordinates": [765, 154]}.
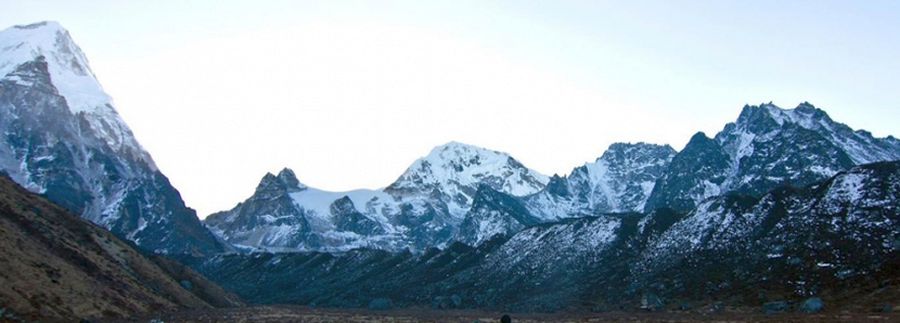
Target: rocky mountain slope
{"type": "Point", "coordinates": [619, 181]}
{"type": "Point", "coordinates": [424, 207]}
{"type": "Point", "coordinates": [833, 239]}
{"type": "Point", "coordinates": [60, 267]}
{"type": "Point", "coordinates": [432, 204]}
{"type": "Point", "coordinates": [457, 192]}
{"type": "Point", "coordinates": [62, 138]}
{"type": "Point", "coordinates": [766, 147]}
{"type": "Point", "coordinates": [805, 241]}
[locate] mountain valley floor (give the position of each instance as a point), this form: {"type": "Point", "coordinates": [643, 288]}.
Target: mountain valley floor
{"type": "Point", "coordinates": [288, 313]}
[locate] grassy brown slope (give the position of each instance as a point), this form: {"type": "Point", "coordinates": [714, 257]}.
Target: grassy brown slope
{"type": "Point", "coordinates": [56, 265]}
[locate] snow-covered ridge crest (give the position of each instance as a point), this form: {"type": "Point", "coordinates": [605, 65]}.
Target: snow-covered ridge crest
{"type": "Point", "coordinates": [624, 164]}
{"type": "Point", "coordinates": [859, 145]}
{"type": "Point", "coordinates": [765, 147]}
{"type": "Point", "coordinates": [423, 208]}
{"type": "Point", "coordinates": [458, 164]}
{"type": "Point", "coordinates": [67, 64]}
{"type": "Point", "coordinates": [71, 74]}
{"type": "Point", "coordinates": [63, 139]}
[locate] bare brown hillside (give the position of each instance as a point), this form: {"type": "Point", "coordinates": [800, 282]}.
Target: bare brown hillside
{"type": "Point", "coordinates": [54, 265]}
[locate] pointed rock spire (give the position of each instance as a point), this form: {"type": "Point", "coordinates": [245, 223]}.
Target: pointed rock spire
{"type": "Point", "coordinates": [285, 181]}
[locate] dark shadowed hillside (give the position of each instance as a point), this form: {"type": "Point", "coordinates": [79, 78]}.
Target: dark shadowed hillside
{"type": "Point", "coordinates": [59, 266]}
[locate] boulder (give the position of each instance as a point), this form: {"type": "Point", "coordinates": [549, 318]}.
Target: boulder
{"type": "Point", "coordinates": [812, 305]}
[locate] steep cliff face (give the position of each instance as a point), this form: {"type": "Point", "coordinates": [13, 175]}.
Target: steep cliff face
{"type": "Point", "coordinates": [62, 138]}
{"type": "Point", "coordinates": [493, 213]}
{"type": "Point", "coordinates": [619, 181]}
{"type": "Point", "coordinates": [766, 147]}
{"type": "Point", "coordinates": [696, 173]}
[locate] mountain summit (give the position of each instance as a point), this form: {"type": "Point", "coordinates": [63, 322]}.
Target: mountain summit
{"type": "Point", "coordinates": [455, 169]}
{"type": "Point", "coordinates": [73, 79]}
{"type": "Point", "coordinates": [766, 147]}
{"type": "Point", "coordinates": [423, 208]}
{"type": "Point", "coordinates": [459, 192]}
{"type": "Point", "coordinates": [63, 139]}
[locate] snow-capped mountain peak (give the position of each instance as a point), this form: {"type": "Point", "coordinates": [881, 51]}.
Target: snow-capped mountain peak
{"type": "Point", "coordinates": [765, 147]}
{"type": "Point", "coordinates": [631, 156]}
{"type": "Point", "coordinates": [63, 139]}
{"type": "Point", "coordinates": [767, 119]}
{"type": "Point", "coordinates": [71, 74]}
{"type": "Point", "coordinates": [423, 208]}
{"type": "Point", "coordinates": [460, 165]}
{"type": "Point", "coordinates": [67, 64]}
{"type": "Point", "coordinates": [805, 114]}
{"type": "Point", "coordinates": [627, 169]}
{"type": "Point", "coordinates": [286, 181]}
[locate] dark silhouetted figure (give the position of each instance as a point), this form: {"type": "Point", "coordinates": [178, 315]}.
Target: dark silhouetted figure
{"type": "Point", "coordinates": [505, 319]}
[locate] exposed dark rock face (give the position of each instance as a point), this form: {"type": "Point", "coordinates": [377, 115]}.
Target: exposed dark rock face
{"type": "Point", "coordinates": [621, 180]}
{"type": "Point", "coordinates": [423, 208]}
{"type": "Point", "coordinates": [76, 150]}
{"type": "Point", "coordinates": [766, 147]}
{"type": "Point", "coordinates": [493, 213]}
{"type": "Point", "coordinates": [270, 206]}
{"type": "Point", "coordinates": [695, 173]}
{"type": "Point", "coordinates": [347, 218]}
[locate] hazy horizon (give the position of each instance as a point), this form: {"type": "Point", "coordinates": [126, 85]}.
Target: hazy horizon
{"type": "Point", "coordinates": [349, 94]}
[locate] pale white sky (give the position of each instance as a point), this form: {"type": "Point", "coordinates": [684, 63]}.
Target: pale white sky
{"type": "Point", "coordinates": [349, 93]}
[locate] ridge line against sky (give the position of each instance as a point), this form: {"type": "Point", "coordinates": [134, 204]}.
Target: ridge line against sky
{"type": "Point", "coordinates": [349, 94]}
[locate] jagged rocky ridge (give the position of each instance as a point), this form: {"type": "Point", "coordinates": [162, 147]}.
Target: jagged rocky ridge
{"type": "Point", "coordinates": [831, 239]}
{"type": "Point", "coordinates": [457, 192]}
{"type": "Point", "coordinates": [423, 208]}
{"type": "Point", "coordinates": [619, 181]}
{"type": "Point", "coordinates": [435, 201]}
{"type": "Point", "coordinates": [766, 147]}
{"type": "Point", "coordinates": [62, 138]}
